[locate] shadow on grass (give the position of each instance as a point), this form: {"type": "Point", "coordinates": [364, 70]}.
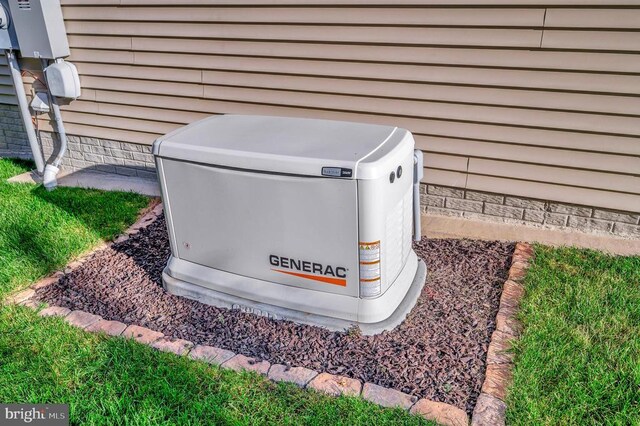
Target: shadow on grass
{"type": "Point", "coordinates": [42, 230]}
{"type": "Point", "coordinates": [104, 213]}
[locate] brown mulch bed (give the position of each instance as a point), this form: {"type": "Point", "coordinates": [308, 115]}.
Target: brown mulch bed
{"type": "Point", "coordinates": [439, 352]}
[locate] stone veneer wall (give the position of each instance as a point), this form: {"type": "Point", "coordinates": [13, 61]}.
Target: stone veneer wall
{"type": "Point", "coordinates": [446, 201]}
{"type": "Point", "coordinates": [101, 155]}
{"type": "Point", "coordinates": [13, 139]}
{"type": "Point", "coordinates": [107, 156]}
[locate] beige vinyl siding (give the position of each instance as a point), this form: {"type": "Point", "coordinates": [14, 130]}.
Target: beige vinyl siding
{"type": "Point", "coordinates": [7, 93]}
{"type": "Point", "coordinates": [531, 98]}
{"type": "Point", "coordinates": [318, 15]}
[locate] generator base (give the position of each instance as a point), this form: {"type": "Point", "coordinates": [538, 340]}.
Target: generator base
{"type": "Point", "coordinates": [223, 300]}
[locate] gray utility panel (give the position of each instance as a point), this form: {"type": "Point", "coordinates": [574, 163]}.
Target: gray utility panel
{"type": "Point", "coordinates": [39, 28]}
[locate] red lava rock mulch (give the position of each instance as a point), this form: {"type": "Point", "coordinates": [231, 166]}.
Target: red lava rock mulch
{"type": "Point", "coordinates": [438, 353]}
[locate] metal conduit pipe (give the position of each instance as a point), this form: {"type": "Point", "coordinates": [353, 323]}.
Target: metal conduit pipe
{"type": "Point", "coordinates": [49, 180]}
{"type": "Point", "coordinates": [24, 110]}
{"type": "Point", "coordinates": [61, 132]}
{"type": "Point", "coordinates": [418, 173]}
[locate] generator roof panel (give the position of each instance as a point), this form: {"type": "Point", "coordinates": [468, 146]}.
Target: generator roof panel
{"type": "Point", "coordinates": [279, 144]}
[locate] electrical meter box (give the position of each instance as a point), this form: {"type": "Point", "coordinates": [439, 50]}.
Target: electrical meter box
{"type": "Point", "coordinates": [63, 80]}
{"type": "Point", "coordinates": [8, 38]}
{"type": "Point", "coordinates": [39, 28]}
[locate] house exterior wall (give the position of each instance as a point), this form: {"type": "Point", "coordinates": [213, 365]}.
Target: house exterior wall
{"type": "Point", "coordinates": [101, 155]}
{"type": "Point", "coordinates": [519, 99]}
{"type": "Point", "coordinates": [13, 140]}
{"type": "Point", "coordinates": [447, 201]}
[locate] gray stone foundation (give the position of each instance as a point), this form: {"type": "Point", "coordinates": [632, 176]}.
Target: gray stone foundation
{"type": "Point", "coordinates": [107, 156]}
{"type": "Point", "coordinates": [83, 153]}
{"type": "Point", "coordinates": [446, 201]}
{"type": "Point", "coordinates": [13, 139]}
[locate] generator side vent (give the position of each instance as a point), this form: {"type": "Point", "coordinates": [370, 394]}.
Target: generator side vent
{"type": "Point", "coordinates": [392, 253]}
{"type": "Point", "coordinates": [24, 4]}
{"type": "Point", "coordinates": [407, 224]}
{"type": "Point", "coordinates": [397, 242]}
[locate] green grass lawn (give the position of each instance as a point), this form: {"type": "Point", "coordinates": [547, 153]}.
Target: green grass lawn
{"type": "Point", "coordinates": [113, 380]}
{"type": "Point", "coordinates": [578, 361]}
{"type": "Point", "coordinates": [41, 231]}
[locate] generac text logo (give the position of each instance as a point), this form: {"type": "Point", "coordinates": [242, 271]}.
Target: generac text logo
{"type": "Point", "coordinates": [314, 271]}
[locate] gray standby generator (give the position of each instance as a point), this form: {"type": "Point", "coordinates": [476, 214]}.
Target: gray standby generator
{"type": "Point", "coordinates": [298, 219]}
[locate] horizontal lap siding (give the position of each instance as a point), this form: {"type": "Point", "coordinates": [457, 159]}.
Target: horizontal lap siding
{"type": "Point", "coordinates": [530, 98]}
{"type": "Point", "coordinates": [7, 93]}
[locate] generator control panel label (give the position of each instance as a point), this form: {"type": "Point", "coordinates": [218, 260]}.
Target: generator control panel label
{"type": "Point", "coordinates": [336, 172]}
{"type": "Point", "coordinates": [370, 284]}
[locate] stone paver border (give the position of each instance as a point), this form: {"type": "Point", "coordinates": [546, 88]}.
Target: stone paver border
{"type": "Point", "coordinates": [489, 409]}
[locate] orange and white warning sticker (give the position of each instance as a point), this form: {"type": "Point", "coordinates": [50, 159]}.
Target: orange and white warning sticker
{"type": "Point", "coordinates": [370, 284]}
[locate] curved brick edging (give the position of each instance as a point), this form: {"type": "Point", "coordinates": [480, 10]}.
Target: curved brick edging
{"type": "Point", "coordinates": [490, 408]}
{"type": "Point", "coordinates": [330, 384]}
